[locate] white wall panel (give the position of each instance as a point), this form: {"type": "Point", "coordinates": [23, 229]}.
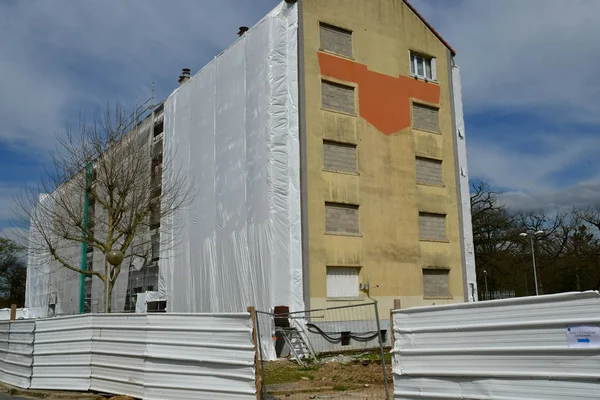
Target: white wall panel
{"type": "Point", "coordinates": [147, 356]}
{"type": "Point", "coordinates": [342, 281]}
{"type": "Point", "coordinates": [501, 349]}
{"type": "Point", "coordinates": [62, 353]}
{"type": "Point", "coordinates": [201, 356]}
{"type": "Point", "coordinates": [118, 354]}
{"type": "Point", "coordinates": [18, 355]}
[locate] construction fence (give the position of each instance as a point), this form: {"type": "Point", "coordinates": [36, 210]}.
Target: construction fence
{"type": "Point", "coordinates": [538, 347]}
{"type": "Point", "coordinates": [146, 356]}
{"type": "Point", "coordinates": [313, 338]}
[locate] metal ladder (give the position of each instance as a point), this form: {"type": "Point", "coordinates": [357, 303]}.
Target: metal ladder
{"type": "Point", "coordinates": [299, 347]}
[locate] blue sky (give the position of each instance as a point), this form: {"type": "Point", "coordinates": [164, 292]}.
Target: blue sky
{"type": "Point", "coordinates": [528, 71]}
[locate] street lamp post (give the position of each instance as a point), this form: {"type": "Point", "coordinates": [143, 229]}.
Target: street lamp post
{"type": "Point", "coordinates": [531, 236]}
{"type": "Point", "coordinates": [114, 258]}
{"type": "Point", "coordinates": [487, 292]}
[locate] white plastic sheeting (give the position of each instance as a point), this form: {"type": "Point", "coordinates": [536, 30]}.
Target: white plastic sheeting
{"type": "Point", "coordinates": [502, 349]}
{"type": "Point", "coordinates": [463, 186]}
{"type": "Point", "coordinates": [233, 128]}
{"type": "Point", "coordinates": [147, 356]}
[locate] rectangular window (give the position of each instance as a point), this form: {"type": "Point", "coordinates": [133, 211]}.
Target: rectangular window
{"type": "Point", "coordinates": [339, 156]}
{"type": "Point", "coordinates": [342, 282]}
{"type": "Point", "coordinates": [337, 97]}
{"type": "Point", "coordinates": [341, 218]}
{"type": "Point", "coordinates": [432, 226]}
{"type": "Point", "coordinates": [155, 246]}
{"type": "Point", "coordinates": [155, 213]}
{"type": "Point", "coordinates": [423, 67]}
{"type": "Point", "coordinates": [435, 282]}
{"type": "Point", "coordinates": [425, 117]}
{"type": "Point", "coordinates": [429, 171]}
{"type": "Point", "coordinates": [336, 40]}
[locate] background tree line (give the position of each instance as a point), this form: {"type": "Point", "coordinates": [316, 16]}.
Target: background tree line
{"type": "Point", "coordinates": [567, 253]}
{"type": "Point", "coordinates": [13, 274]}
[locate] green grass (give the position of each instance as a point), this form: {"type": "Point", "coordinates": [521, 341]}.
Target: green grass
{"type": "Point", "coordinates": [376, 356]}
{"type": "Point", "coordinates": [340, 388]}
{"type": "Point", "coordinates": [288, 373]}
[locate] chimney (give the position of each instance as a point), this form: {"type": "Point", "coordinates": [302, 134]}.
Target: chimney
{"type": "Point", "coordinates": [243, 29]}
{"type": "Point", "coordinates": [290, 1]}
{"type": "Point", "coordinates": [185, 76]}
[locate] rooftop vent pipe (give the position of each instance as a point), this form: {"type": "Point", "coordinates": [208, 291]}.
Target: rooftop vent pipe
{"type": "Point", "coordinates": [185, 76]}
{"type": "Point", "coordinates": [243, 29]}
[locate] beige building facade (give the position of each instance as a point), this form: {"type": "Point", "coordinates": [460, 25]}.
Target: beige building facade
{"type": "Point", "coordinates": [381, 205]}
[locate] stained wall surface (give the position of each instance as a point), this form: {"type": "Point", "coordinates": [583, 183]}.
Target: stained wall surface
{"type": "Point", "coordinates": [363, 48]}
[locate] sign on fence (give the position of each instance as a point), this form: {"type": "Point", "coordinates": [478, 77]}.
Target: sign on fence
{"type": "Point", "coordinates": [583, 336]}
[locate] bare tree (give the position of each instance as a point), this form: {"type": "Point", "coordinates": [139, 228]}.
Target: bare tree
{"type": "Point", "coordinates": [109, 184]}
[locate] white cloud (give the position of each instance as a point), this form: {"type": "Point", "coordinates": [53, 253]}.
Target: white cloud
{"type": "Point", "coordinates": [581, 195]}
{"type": "Point", "coordinates": [7, 194]}
{"type": "Point", "coordinates": [62, 56]}
{"type": "Point", "coordinates": [535, 54]}
{"type": "Point", "coordinates": [527, 171]}
{"type": "Point", "coordinates": [534, 59]}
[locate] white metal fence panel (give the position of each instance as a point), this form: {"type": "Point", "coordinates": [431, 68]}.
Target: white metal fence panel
{"type": "Point", "coordinates": [4, 333]}
{"type": "Point", "coordinates": [19, 355]}
{"type": "Point", "coordinates": [62, 353]}
{"type": "Point", "coordinates": [154, 356]}
{"type": "Point", "coordinates": [503, 349]}
{"type": "Point", "coordinates": [118, 354]}
{"type": "Point", "coordinates": [200, 356]}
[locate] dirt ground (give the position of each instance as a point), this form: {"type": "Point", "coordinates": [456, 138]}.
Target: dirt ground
{"type": "Point", "coordinates": [358, 376]}
{"type": "Point", "coordinates": [54, 395]}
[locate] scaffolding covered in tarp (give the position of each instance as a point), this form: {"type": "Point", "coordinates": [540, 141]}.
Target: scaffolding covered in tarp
{"type": "Point", "coordinates": [233, 128]}
{"type": "Point", "coordinates": [52, 289]}
{"type": "Point", "coordinates": [469, 273]}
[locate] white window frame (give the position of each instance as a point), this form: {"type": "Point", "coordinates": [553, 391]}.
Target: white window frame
{"type": "Point", "coordinates": [351, 282]}
{"type": "Point", "coordinates": [414, 70]}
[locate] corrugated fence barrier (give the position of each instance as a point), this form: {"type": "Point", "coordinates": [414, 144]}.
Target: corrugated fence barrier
{"type": "Point", "coordinates": [147, 356]}
{"type": "Point", "coordinates": [545, 347]}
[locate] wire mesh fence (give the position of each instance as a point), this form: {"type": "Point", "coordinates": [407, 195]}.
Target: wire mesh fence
{"type": "Point", "coordinates": [336, 349]}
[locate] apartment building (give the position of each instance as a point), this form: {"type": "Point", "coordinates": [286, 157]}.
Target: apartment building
{"type": "Point", "coordinates": [328, 147]}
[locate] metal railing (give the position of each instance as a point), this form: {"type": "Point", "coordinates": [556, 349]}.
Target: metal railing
{"type": "Point", "coordinates": [320, 336]}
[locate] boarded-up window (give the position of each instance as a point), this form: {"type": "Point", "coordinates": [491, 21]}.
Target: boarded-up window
{"type": "Point", "coordinates": [337, 97]}
{"type": "Point", "coordinates": [432, 226]}
{"type": "Point", "coordinates": [342, 282]}
{"type": "Point", "coordinates": [339, 156]}
{"type": "Point", "coordinates": [342, 218]}
{"type": "Point", "coordinates": [435, 282]}
{"type": "Point", "coordinates": [429, 171]}
{"type": "Point", "coordinates": [336, 40]}
{"type": "Point", "coordinates": [426, 118]}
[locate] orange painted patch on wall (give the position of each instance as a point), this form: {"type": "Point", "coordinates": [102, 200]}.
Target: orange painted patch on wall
{"type": "Point", "coordinates": [383, 100]}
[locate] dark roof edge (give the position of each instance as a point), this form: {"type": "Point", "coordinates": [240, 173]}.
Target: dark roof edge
{"type": "Point", "coordinates": [413, 9]}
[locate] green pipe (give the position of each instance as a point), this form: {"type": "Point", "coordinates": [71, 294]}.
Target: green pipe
{"type": "Point", "coordinates": [84, 246]}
